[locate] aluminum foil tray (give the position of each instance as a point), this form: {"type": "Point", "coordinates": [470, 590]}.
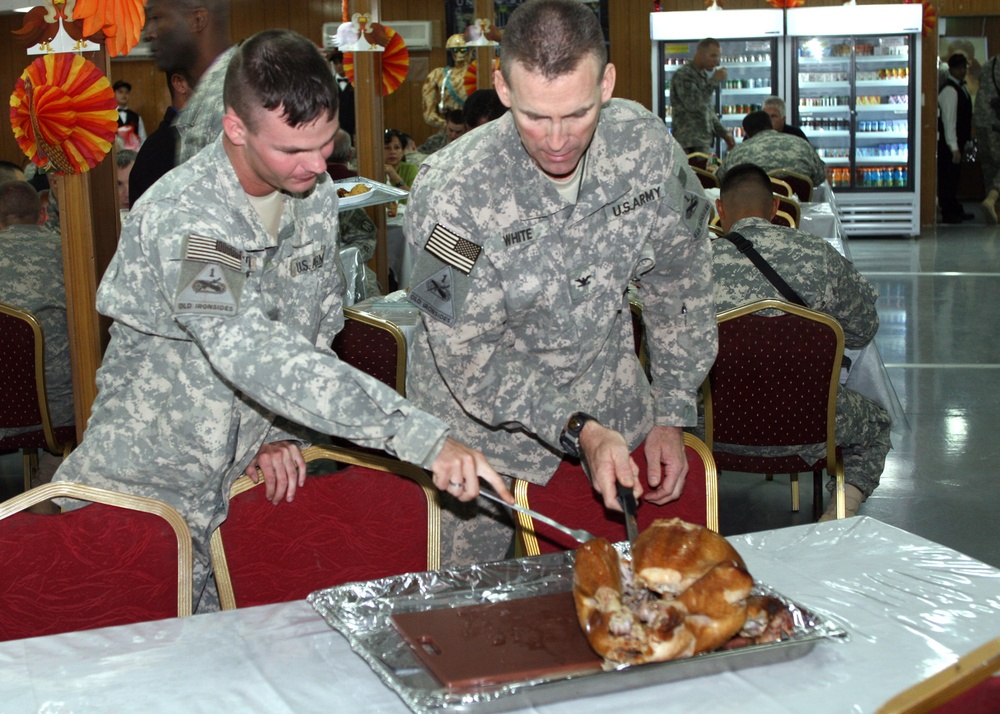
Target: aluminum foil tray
{"type": "Point", "coordinates": [362, 612]}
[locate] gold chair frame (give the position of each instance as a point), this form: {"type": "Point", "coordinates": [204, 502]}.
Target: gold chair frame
{"type": "Point", "coordinates": [706, 175]}
{"type": "Point", "coordinates": [352, 313]}
{"type": "Point", "coordinates": [227, 597]}
{"type": "Point", "coordinates": [926, 696]}
{"type": "Point", "coordinates": [782, 174]}
{"type": "Point", "coordinates": [698, 156]}
{"type": "Point", "coordinates": [30, 456]}
{"type": "Point", "coordinates": [787, 216]}
{"type": "Point", "coordinates": [528, 539]}
{"type": "Point", "coordinates": [786, 188]}
{"type": "Point", "coordinates": [790, 207]}
{"type": "Point", "coordinates": [832, 457]}
{"type": "Point", "coordinates": [84, 492]}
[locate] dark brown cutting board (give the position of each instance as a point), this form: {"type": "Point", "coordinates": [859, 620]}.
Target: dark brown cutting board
{"type": "Point", "coordinates": [496, 643]}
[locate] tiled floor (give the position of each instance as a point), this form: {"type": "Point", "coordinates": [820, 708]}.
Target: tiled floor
{"type": "Point", "coordinates": [940, 339]}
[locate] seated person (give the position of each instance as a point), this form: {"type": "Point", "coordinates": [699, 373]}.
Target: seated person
{"type": "Point", "coordinates": [482, 106]}
{"type": "Point", "coordinates": [775, 108]}
{"type": "Point", "coordinates": [827, 282]}
{"type": "Point", "coordinates": [454, 127]}
{"type": "Point", "coordinates": [31, 278]}
{"type": "Point", "coordinates": [770, 150]}
{"type": "Point", "coordinates": [338, 164]}
{"type": "Point", "coordinates": [9, 171]}
{"type": "Point", "coordinates": [398, 173]}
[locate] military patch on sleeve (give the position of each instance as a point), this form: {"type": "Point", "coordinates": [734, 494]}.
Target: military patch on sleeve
{"type": "Point", "coordinates": [452, 249]}
{"type": "Point", "coordinates": [211, 278]}
{"type": "Point", "coordinates": [697, 212]}
{"type": "Point", "coordinates": [435, 295]}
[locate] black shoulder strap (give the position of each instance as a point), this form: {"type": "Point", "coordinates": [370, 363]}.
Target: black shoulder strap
{"type": "Point", "coordinates": [746, 247]}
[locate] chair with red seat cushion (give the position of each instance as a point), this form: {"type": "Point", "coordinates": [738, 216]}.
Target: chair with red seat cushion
{"type": "Point", "coordinates": [774, 384]}
{"type": "Point", "coordinates": [360, 523]}
{"type": "Point", "coordinates": [706, 177]}
{"type": "Point", "coordinates": [569, 498]}
{"type": "Point", "coordinates": [119, 560]}
{"type": "Point", "coordinates": [375, 346]}
{"type": "Point", "coordinates": [23, 400]}
{"type": "Point", "coordinates": [801, 185]}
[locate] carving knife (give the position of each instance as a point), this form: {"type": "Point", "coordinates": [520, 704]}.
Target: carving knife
{"type": "Point", "coordinates": [627, 499]}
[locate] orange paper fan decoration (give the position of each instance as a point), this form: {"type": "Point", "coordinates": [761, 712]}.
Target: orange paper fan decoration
{"type": "Point", "coordinates": [63, 112]}
{"type": "Point", "coordinates": [930, 16]}
{"type": "Point", "coordinates": [786, 4]}
{"type": "Point", "coordinates": [470, 79]}
{"type": "Point", "coordinates": [120, 22]}
{"type": "Point", "coordinates": [395, 62]}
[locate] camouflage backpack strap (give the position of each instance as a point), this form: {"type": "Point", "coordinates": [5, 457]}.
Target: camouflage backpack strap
{"type": "Point", "coordinates": [746, 247]}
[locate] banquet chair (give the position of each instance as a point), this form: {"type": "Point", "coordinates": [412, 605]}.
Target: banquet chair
{"type": "Point", "coordinates": [569, 498]}
{"type": "Point", "coordinates": [119, 560]}
{"type": "Point", "coordinates": [781, 188]}
{"type": "Point", "coordinates": [707, 178]}
{"type": "Point", "coordinates": [782, 218]}
{"type": "Point", "coordinates": [774, 383]}
{"type": "Point", "coordinates": [969, 686]}
{"type": "Point", "coordinates": [377, 517]}
{"type": "Point", "coordinates": [698, 159]}
{"type": "Point", "coordinates": [23, 400]}
{"type": "Point", "coordinates": [792, 208]}
{"type": "Point", "coordinates": [801, 185]}
{"type": "Point", "coordinates": [375, 346]}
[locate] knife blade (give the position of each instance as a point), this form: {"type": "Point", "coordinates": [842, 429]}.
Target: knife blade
{"type": "Point", "coordinates": [627, 499]}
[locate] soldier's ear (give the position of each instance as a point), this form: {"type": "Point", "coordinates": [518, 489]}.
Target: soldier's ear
{"type": "Point", "coordinates": [236, 130]}
{"type": "Point", "coordinates": [774, 207]}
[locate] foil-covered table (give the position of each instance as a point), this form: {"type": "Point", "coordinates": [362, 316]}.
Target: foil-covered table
{"type": "Point", "coordinates": [362, 612]}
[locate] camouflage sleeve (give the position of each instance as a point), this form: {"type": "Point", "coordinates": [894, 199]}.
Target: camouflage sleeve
{"type": "Point", "coordinates": [272, 363]}
{"type": "Point", "coordinates": [850, 298]}
{"type": "Point", "coordinates": [678, 301]}
{"type": "Point", "coordinates": [817, 168]}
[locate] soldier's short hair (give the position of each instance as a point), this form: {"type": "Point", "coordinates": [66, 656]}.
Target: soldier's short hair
{"type": "Point", "coordinates": [9, 171]}
{"type": "Point", "coordinates": [550, 37]}
{"type": "Point", "coordinates": [756, 122]}
{"type": "Point", "coordinates": [125, 157]}
{"type": "Point", "coordinates": [280, 68]}
{"type": "Point", "coordinates": [747, 185]}
{"type": "Point", "coordinates": [707, 43]}
{"type": "Point", "coordinates": [482, 106]}
{"type": "Point", "coordinates": [19, 204]}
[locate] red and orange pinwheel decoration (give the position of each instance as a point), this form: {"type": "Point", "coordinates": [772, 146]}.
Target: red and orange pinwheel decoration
{"type": "Point", "coordinates": [395, 58]}
{"type": "Point", "coordinates": [63, 113]}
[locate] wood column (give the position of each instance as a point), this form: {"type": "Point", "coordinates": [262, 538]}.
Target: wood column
{"type": "Point", "coordinates": [370, 133]}
{"type": "Point", "coordinates": [486, 54]}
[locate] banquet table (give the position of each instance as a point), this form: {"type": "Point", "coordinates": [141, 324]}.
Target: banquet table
{"type": "Point", "coordinates": [911, 608]}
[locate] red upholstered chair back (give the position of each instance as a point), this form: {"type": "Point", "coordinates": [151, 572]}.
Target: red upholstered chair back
{"type": "Point", "coordinates": [774, 383]}
{"type": "Point", "coordinates": [802, 185]}
{"type": "Point", "coordinates": [792, 208]}
{"type": "Point", "coordinates": [698, 159]}
{"type": "Point", "coordinates": [23, 401]}
{"type": "Point", "coordinates": [707, 178]}
{"type": "Point", "coordinates": [375, 346]}
{"type": "Point", "coordinates": [570, 499]}
{"type": "Point", "coordinates": [356, 524]}
{"type": "Point", "coordinates": [120, 560]}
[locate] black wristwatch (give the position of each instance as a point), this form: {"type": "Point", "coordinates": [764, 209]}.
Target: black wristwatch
{"type": "Point", "coordinates": [569, 439]}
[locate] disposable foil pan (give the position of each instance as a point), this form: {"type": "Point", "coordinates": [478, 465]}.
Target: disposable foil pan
{"type": "Point", "coordinates": [362, 612]}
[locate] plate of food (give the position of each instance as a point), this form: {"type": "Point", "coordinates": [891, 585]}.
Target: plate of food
{"type": "Point", "coordinates": [351, 194]}
{"type": "Point", "coordinates": [471, 638]}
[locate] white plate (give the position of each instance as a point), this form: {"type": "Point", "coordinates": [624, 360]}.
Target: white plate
{"type": "Point", "coordinates": [354, 200]}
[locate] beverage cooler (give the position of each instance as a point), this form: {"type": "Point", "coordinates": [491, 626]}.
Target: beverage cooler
{"type": "Point", "coordinates": [751, 46]}
{"type": "Point", "coordinates": [856, 98]}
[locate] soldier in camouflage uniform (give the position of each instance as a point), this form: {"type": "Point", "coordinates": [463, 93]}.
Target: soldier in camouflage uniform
{"type": "Point", "coordinates": [31, 278]}
{"type": "Point", "coordinates": [225, 291]}
{"type": "Point", "coordinates": [692, 94]}
{"type": "Point", "coordinates": [772, 150]}
{"type": "Point", "coordinates": [200, 49]}
{"type": "Point", "coordinates": [986, 120]}
{"type": "Point", "coordinates": [827, 282]}
{"type": "Point", "coordinates": [551, 211]}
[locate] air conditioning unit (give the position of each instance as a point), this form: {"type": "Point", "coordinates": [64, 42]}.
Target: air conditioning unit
{"type": "Point", "coordinates": [418, 35]}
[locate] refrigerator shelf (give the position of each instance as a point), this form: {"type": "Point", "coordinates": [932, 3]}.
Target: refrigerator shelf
{"type": "Point", "coordinates": [825, 85]}
{"type": "Point", "coordinates": [904, 83]}
{"type": "Point", "coordinates": [835, 109]}
{"type": "Point", "coordinates": [902, 109]}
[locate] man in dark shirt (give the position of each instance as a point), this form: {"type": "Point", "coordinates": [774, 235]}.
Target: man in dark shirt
{"type": "Point", "coordinates": [954, 130]}
{"type": "Point", "coordinates": [775, 108]}
{"type": "Point", "coordinates": [157, 154]}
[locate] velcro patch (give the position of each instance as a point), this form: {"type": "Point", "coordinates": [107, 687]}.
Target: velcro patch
{"type": "Point", "coordinates": [435, 295]}
{"type": "Point", "coordinates": [210, 250]}
{"type": "Point", "coordinates": [452, 249]}
{"type": "Point", "coordinates": [208, 288]}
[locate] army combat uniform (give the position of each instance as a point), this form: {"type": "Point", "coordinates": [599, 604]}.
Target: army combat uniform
{"type": "Point", "coordinates": [31, 278]}
{"type": "Point", "coordinates": [526, 317]}
{"type": "Point", "coordinates": [692, 109]}
{"type": "Point", "coordinates": [201, 121]}
{"type": "Point", "coordinates": [986, 119]}
{"type": "Point", "coordinates": [219, 328]}
{"type": "Point", "coordinates": [772, 150]}
{"type": "Point", "coordinates": [827, 282]}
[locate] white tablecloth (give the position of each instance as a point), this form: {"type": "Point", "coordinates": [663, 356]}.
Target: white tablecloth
{"type": "Point", "coordinates": [912, 607]}
{"type": "Point", "coordinates": [400, 258]}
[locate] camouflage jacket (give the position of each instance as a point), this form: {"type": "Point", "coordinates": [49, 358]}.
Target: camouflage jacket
{"type": "Point", "coordinates": [201, 120]}
{"type": "Point", "coordinates": [692, 108]}
{"type": "Point", "coordinates": [986, 116]}
{"type": "Point", "coordinates": [31, 278]}
{"type": "Point", "coordinates": [526, 318]}
{"type": "Point", "coordinates": [822, 277]}
{"type": "Point", "coordinates": [219, 328]}
{"type": "Point", "coordinates": [773, 150]}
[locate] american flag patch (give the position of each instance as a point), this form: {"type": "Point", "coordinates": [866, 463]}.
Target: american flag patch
{"type": "Point", "coordinates": [453, 249]}
{"type": "Point", "coordinates": [210, 250]}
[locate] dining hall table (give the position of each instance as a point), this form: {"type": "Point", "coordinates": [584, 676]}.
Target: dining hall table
{"type": "Point", "coordinates": [910, 607]}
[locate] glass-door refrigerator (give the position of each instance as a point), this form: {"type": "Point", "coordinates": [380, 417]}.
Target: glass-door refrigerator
{"type": "Point", "coordinates": [856, 97]}
{"type": "Point", "coordinates": [751, 46]}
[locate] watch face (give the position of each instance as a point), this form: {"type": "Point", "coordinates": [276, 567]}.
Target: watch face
{"type": "Point", "coordinates": [576, 423]}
